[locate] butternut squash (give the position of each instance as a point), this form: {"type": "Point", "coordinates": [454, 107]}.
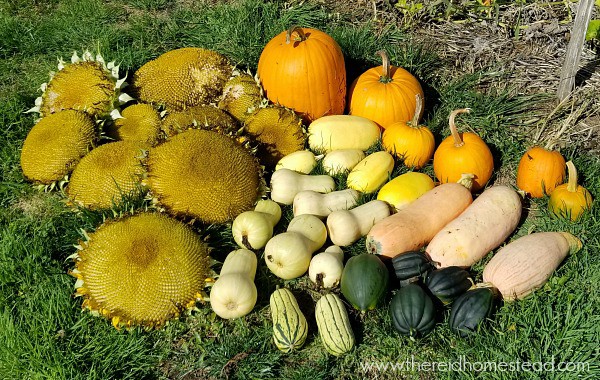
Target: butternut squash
{"type": "Point", "coordinates": [342, 161]}
{"type": "Point", "coordinates": [347, 226]}
{"type": "Point", "coordinates": [525, 264]}
{"type": "Point", "coordinates": [240, 261]}
{"type": "Point", "coordinates": [286, 183]}
{"type": "Point", "coordinates": [416, 224]}
{"type": "Point", "coordinates": [371, 173]}
{"type": "Point", "coordinates": [321, 205]}
{"type": "Point", "coordinates": [253, 229]}
{"type": "Point", "coordinates": [482, 227]}
{"type": "Point", "coordinates": [326, 268]}
{"type": "Point", "coordinates": [336, 132]}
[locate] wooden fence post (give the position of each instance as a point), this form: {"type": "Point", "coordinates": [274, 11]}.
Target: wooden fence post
{"type": "Point", "coordinates": [573, 54]}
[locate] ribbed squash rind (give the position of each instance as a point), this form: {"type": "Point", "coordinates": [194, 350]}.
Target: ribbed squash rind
{"type": "Point", "coordinates": [107, 174]}
{"type": "Point", "coordinates": [411, 264]}
{"type": "Point", "coordinates": [289, 324]}
{"type": "Point", "coordinates": [364, 281]}
{"type": "Point", "coordinates": [278, 131]}
{"type": "Point", "coordinates": [448, 283]}
{"type": "Point", "coordinates": [86, 84]}
{"type": "Point", "coordinates": [412, 311]}
{"type": "Point", "coordinates": [182, 78]}
{"type": "Point", "coordinates": [334, 325]}
{"type": "Point", "coordinates": [470, 310]}
{"type": "Point", "coordinates": [203, 174]}
{"type": "Point", "coordinates": [242, 96]}
{"type": "Point", "coordinates": [199, 117]}
{"type": "Point", "coordinates": [141, 270]}
{"type": "Point", "coordinates": [139, 122]}
{"type": "Point", "coordinates": [56, 144]}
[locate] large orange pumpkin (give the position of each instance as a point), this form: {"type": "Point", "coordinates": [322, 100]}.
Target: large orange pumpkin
{"type": "Point", "coordinates": [303, 69]}
{"type": "Point", "coordinates": [384, 94]}
{"type": "Point", "coordinates": [540, 171]}
{"type": "Point", "coordinates": [410, 141]}
{"type": "Point", "coordinates": [463, 153]}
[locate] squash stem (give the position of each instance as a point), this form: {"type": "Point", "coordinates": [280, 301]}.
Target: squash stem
{"type": "Point", "coordinates": [386, 72]}
{"type": "Point", "coordinates": [418, 109]}
{"type": "Point", "coordinates": [572, 182]}
{"type": "Point", "coordinates": [298, 30]}
{"type": "Point", "coordinates": [466, 179]}
{"type": "Point", "coordinates": [458, 142]}
{"type": "Point", "coordinates": [574, 243]}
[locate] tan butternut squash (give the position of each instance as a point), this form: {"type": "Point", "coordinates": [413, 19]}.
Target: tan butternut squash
{"type": "Point", "coordinates": [482, 227]}
{"type": "Point", "coordinates": [347, 226]}
{"type": "Point", "coordinates": [321, 205]}
{"type": "Point", "coordinates": [525, 264]}
{"type": "Point", "coordinates": [416, 224]}
{"type": "Point", "coordinates": [286, 183]}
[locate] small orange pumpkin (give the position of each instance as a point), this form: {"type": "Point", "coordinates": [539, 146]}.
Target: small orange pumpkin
{"type": "Point", "coordinates": [384, 94]}
{"type": "Point", "coordinates": [570, 200]}
{"type": "Point", "coordinates": [303, 69]}
{"type": "Point", "coordinates": [463, 153]}
{"type": "Point", "coordinates": [540, 171]}
{"type": "Point", "coordinates": [410, 141]}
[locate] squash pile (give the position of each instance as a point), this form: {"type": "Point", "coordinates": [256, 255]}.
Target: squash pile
{"type": "Point", "coordinates": [199, 140]}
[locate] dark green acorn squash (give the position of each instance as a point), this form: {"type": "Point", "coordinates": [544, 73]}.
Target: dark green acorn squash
{"type": "Point", "coordinates": [411, 264]}
{"type": "Point", "coordinates": [364, 281]}
{"type": "Point", "coordinates": [447, 284]}
{"type": "Point", "coordinates": [471, 309]}
{"type": "Point", "coordinates": [412, 311]}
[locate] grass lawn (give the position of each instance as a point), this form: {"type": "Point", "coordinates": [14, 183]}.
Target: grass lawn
{"type": "Point", "coordinates": [44, 334]}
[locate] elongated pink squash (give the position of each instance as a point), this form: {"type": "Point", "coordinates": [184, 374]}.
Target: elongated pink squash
{"type": "Point", "coordinates": [525, 264]}
{"type": "Point", "coordinates": [483, 226]}
{"type": "Point", "coordinates": [414, 226]}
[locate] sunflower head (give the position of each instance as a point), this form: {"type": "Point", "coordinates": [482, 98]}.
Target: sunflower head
{"type": "Point", "coordinates": [142, 270]}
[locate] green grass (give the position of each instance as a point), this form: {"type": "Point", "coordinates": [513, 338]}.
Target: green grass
{"type": "Point", "coordinates": [44, 335]}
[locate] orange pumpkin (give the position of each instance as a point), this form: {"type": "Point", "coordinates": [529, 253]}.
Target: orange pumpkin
{"type": "Point", "coordinates": [410, 141]}
{"type": "Point", "coordinates": [540, 171]}
{"type": "Point", "coordinates": [570, 200]}
{"type": "Point", "coordinates": [463, 153]}
{"type": "Point", "coordinates": [304, 69]}
{"type": "Point", "coordinates": [384, 94]}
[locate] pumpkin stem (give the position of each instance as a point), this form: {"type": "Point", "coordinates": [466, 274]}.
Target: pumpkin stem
{"type": "Point", "coordinates": [386, 72]}
{"type": "Point", "coordinates": [466, 179]}
{"type": "Point", "coordinates": [419, 108]}
{"type": "Point", "coordinates": [458, 142]}
{"type": "Point", "coordinates": [298, 30]}
{"type": "Point", "coordinates": [574, 243]}
{"type": "Point", "coordinates": [572, 182]}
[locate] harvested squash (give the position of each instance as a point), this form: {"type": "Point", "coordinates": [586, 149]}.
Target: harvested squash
{"type": "Point", "coordinates": [471, 309]}
{"type": "Point", "coordinates": [416, 224]}
{"type": "Point", "coordinates": [570, 200]}
{"type": "Point", "coordinates": [253, 229]}
{"type": "Point", "coordinates": [364, 281]}
{"type": "Point", "coordinates": [288, 254]}
{"type": "Point", "coordinates": [289, 324]}
{"type": "Point", "coordinates": [404, 189]}
{"type": "Point", "coordinates": [321, 205]}
{"type": "Point", "coordinates": [233, 295]}
{"type": "Point", "coordinates": [447, 284]}
{"type": "Point", "coordinates": [342, 161]}
{"type": "Point", "coordinates": [463, 153]}
{"type": "Point", "coordinates": [301, 161]}
{"type": "Point", "coordinates": [412, 311]}
{"type": "Point", "coordinates": [540, 171]}
{"type": "Point", "coordinates": [342, 132]}
{"type": "Point", "coordinates": [525, 264]}
{"type": "Point", "coordinates": [409, 265]}
{"type": "Point", "coordinates": [241, 261]}
{"type": "Point", "coordinates": [482, 227]}
{"type": "Point", "coordinates": [347, 226]}
{"type": "Point", "coordinates": [326, 268]}
{"type": "Point", "coordinates": [371, 173]}
{"type": "Point", "coordinates": [286, 183]}
{"type": "Point", "coordinates": [334, 325]}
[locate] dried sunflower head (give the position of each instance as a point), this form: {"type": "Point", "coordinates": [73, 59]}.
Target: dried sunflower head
{"type": "Point", "coordinates": [56, 144]}
{"type": "Point", "coordinates": [200, 117]}
{"type": "Point", "coordinates": [182, 78]}
{"type": "Point", "coordinates": [141, 270]}
{"type": "Point", "coordinates": [242, 96]}
{"type": "Point", "coordinates": [138, 122]}
{"type": "Point", "coordinates": [203, 174]}
{"type": "Point", "coordinates": [86, 84]}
